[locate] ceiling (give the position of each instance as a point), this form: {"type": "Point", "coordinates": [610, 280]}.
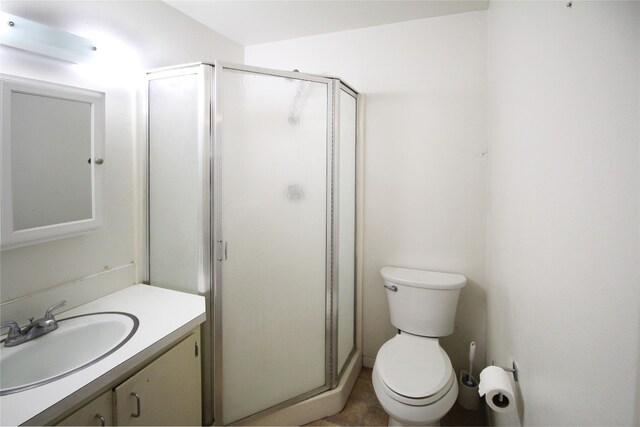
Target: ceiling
{"type": "Point", "coordinates": [251, 22]}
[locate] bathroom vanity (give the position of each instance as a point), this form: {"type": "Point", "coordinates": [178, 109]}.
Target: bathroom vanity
{"type": "Point", "coordinates": [149, 396]}
{"type": "Point", "coordinates": [135, 385]}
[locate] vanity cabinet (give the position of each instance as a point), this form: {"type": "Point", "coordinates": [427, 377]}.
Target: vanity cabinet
{"type": "Point", "coordinates": [165, 392]}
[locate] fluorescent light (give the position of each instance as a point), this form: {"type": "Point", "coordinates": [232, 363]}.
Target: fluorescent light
{"type": "Point", "coordinates": [21, 33]}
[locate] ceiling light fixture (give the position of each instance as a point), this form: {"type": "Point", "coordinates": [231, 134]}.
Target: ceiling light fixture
{"type": "Point", "coordinates": [21, 33]}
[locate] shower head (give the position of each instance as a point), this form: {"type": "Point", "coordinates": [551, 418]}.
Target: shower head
{"type": "Point", "coordinates": [299, 102]}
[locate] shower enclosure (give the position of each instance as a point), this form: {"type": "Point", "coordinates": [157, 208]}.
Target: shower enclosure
{"type": "Point", "coordinates": [252, 203]}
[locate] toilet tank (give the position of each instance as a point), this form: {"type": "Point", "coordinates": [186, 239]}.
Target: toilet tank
{"type": "Point", "coordinates": [422, 302]}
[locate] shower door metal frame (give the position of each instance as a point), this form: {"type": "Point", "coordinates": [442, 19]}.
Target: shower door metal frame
{"type": "Point", "coordinates": [337, 371]}
{"type": "Point", "coordinates": [218, 240]}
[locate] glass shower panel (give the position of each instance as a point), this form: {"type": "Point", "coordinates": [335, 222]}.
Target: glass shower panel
{"type": "Point", "coordinates": [272, 199]}
{"type": "Point", "coordinates": [174, 183]}
{"type": "Point", "coordinates": [346, 227]}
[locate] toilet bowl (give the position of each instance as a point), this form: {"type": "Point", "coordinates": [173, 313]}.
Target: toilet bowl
{"type": "Point", "coordinates": [412, 375]}
{"type": "Point", "coordinates": [414, 380]}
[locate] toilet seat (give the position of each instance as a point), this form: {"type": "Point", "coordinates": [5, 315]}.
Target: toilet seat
{"type": "Point", "coordinates": [403, 414]}
{"type": "Point", "coordinates": [415, 370]}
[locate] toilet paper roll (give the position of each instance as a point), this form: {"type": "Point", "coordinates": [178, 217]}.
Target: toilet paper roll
{"type": "Point", "coordinates": [496, 385]}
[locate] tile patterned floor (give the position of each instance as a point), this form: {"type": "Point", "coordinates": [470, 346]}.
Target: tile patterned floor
{"type": "Point", "coordinates": [363, 409]}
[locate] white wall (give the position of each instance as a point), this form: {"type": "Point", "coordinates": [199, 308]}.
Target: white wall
{"type": "Point", "coordinates": [564, 199]}
{"type": "Point", "coordinates": [425, 174]}
{"type": "Point", "coordinates": [136, 36]}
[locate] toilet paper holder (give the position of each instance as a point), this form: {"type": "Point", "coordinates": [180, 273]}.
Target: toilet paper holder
{"type": "Point", "coordinates": [513, 369]}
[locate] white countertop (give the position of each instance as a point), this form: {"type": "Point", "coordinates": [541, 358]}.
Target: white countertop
{"type": "Point", "coordinates": [160, 312]}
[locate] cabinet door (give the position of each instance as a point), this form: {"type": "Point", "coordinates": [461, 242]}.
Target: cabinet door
{"type": "Point", "coordinates": [98, 412]}
{"type": "Point", "coordinates": [165, 392]}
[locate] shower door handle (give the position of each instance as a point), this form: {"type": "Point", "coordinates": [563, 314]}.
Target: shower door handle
{"type": "Point", "coordinates": [223, 257]}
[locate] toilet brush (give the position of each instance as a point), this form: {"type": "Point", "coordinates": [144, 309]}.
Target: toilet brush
{"type": "Point", "coordinates": [472, 355]}
{"type": "Point", "coordinates": [468, 396]}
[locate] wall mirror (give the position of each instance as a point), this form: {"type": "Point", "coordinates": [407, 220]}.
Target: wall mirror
{"type": "Point", "coordinates": [52, 156]}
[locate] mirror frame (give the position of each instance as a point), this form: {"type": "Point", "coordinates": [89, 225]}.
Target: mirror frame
{"type": "Point", "coordinates": [10, 238]}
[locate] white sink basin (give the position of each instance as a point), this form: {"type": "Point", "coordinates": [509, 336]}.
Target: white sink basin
{"type": "Point", "coordinates": [77, 343]}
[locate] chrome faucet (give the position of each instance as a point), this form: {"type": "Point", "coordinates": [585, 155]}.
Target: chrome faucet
{"type": "Point", "coordinates": [18, 335]}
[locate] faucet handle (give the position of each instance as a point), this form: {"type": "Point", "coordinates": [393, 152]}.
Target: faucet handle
{"type": "Point", "coordinates": [15, 330]}
{"type": "Point", "coordinates": [49, 313]}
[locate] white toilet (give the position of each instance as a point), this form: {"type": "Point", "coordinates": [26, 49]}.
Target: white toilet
{"type": "Point", "coordinates": [412, 375]}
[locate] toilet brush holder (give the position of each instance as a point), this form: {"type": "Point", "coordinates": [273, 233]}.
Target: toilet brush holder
{"type": "Point", "coordinates": [468, 396]}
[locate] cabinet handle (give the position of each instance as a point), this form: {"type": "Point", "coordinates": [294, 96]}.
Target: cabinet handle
{"type": "Point", "coordinates": [102, 420]}
{"type": "Point", "coordinates": [137, 396]}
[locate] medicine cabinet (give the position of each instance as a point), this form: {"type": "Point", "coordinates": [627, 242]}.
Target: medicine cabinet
{"type": "Point", "coordinates": [52, 161]}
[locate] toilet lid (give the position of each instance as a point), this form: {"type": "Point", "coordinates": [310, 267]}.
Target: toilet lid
{"type": "Point", "coordinates": [413, 366]}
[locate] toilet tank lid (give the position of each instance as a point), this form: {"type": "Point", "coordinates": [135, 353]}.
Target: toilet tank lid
{"type": "Point", "coordinates": [423, 278]}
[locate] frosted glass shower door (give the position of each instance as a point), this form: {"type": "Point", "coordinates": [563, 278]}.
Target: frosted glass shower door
{"type": "Point", "coordinates": [271, 205]}
{"type": "Point", "coordinates": [176, 180]}
{"type": "Point", "coordinates": [346, 214]}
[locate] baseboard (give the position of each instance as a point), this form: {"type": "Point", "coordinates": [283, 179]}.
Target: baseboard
{"type": "Point", "coordinates": [368, 361]}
